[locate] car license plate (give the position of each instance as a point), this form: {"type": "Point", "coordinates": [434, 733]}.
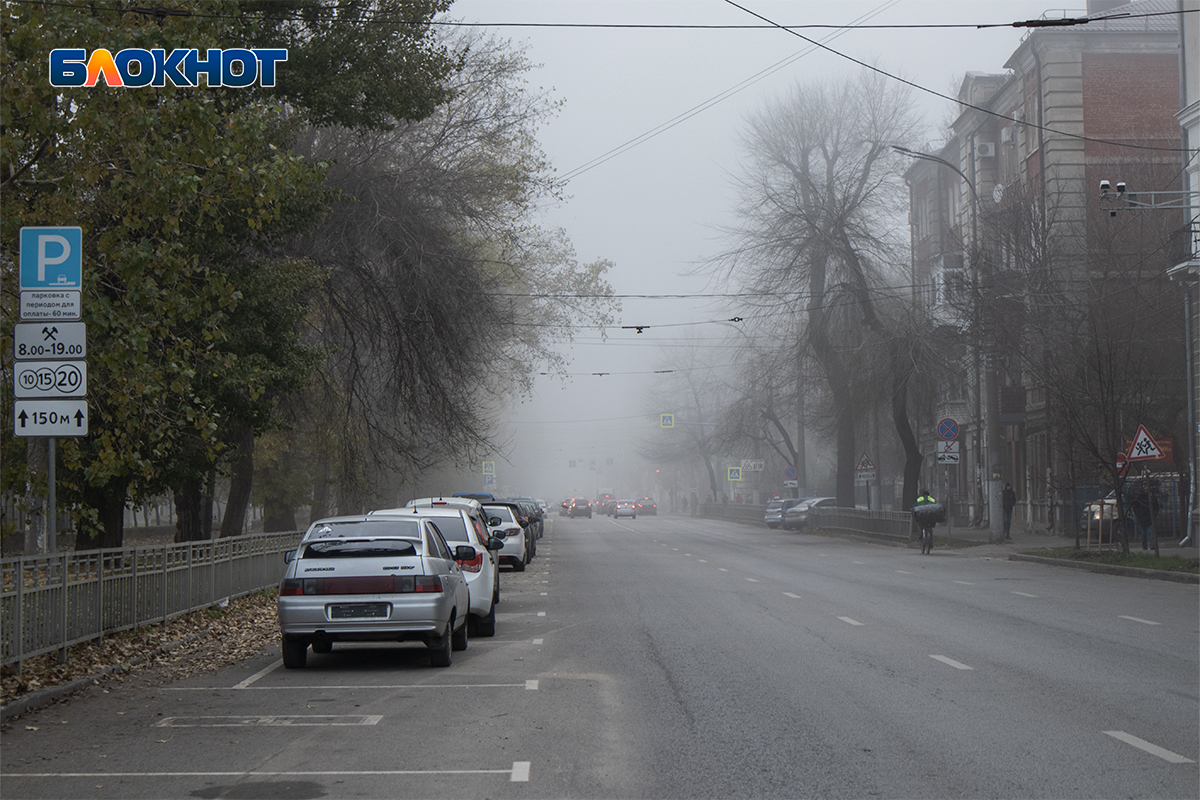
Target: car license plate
{"type": "Point", "coordinates": [359, 611]}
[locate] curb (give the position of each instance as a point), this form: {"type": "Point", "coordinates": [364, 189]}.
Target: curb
{"type": "Point", "coordinates": [51, 694]}
{"type": "Point", "coordinates": [1111, 569]}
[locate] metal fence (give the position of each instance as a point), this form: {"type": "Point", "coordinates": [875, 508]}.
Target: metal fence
{"type": "Point", "coordinates": [892, 525]}
{"type": "Point", "coordinates": [50, 602]}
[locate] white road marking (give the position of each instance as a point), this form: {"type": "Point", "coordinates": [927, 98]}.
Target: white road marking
{"type": "Point", "coordinates": [520, 772]}
{"type": "Point", "coordinates": [1152, 749]}
{"type": "Point", "coordinates": [703, 561]}
{"type": "Point", "coordinates": [858, 562]}
{"type": "Point", "coordinates": [269, 720]}
{"type": "Point", "coordinates": [849, 621]}
{"type": "Point", "coordinates": [902, 572]}
{"type": "Point", "coordinates": [674, 549]}
{"type": "Point", "coordinates": [793, 596]}
{"type": "Point", "coordinates": [689, 555]}
{"type": "Point", "coordinates": [752, 580]}
{"type": "Point", "coordinates": [265, 774]}
{"type": "Point", "coordinates": [352, 687]}
{"type": "Point", "coordinates": [951, 662]}
{"type": "Point", "coordinates": [259, 674]}
{"type": "Point", "coordinates": [965, 583]}
{"type": "Point", "coordinates": [541, 613]}
{"type": "Point", "coordinates": [1139, 619]}
{"type": "Point", "coordinates": [722, 569]}
{"type": "Point", "coordinates": [543, 594]}
{"type": "Point", "coordinates": [1025, 594]}
{"type": "Point", "coordinates": [531, 685]}
{"type": "Point", "coordinates": [537, 641]}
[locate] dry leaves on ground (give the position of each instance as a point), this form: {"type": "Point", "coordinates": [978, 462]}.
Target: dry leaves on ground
{"type": "Point", "coordinates": [200, 642]}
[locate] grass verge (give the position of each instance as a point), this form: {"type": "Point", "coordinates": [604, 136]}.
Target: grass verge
{"type": "Point", "coordinates": [1137, 559]}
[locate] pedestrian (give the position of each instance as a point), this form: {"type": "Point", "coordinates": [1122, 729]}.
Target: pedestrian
{"type": "Point", "coordinates": [683, 502]}
{"type": "Point", "coordinates": [1009, 500]}
{"type": "Point", "coordinates": [1145, 507]}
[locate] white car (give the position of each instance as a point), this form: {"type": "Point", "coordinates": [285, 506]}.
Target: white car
{"type": "Point", "coordinates": [503, 522]}
{"type": "Point", "coordinates": [625, 508]}
{"type": "Point", "coordinates": [461, 524]}
{"type": "Point", "coordinates": [373, 579]}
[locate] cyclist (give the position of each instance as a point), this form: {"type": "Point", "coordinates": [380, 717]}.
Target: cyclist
{"type": "Point", "coordinates": [925, 499]}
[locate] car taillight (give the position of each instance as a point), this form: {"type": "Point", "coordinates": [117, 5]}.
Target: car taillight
{"type": "Point", "coordinates": [374, 584]}
{"type": "Point", "coordinates": [511, 531]}
{"type": "Point", "coordinates": [475, 564]}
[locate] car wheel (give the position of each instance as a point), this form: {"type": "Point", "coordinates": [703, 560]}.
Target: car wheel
{"type": "Point", "coordinates": [533, 550]}
{"type": "Point", "coordinates": [322, 647]}
{"type": "Point", "coordinates": [518, 565]}
{"type": "Point", "coordinates": [772, 527]}
{"type": "Point", "coordinates": [440, 649]}
{"type": "Point", "coordinates": [295, 653]}
{"type": "Point", "coordinates": [458, 640]}
{"type": "Point", "coordinates": [486, 626]}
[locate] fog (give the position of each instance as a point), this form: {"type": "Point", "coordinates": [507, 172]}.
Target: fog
{"type": "Point", "coordinates": [656, 209]}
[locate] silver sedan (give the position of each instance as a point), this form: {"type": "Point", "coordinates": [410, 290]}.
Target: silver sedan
{"type": "Point", "coordinates": [371, 579]}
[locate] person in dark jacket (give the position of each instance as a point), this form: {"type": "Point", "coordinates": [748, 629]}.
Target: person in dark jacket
{"type": "Point", "coordinates": [1009, 500]}
{"type": "Point", "coordinates": [1144, 508]}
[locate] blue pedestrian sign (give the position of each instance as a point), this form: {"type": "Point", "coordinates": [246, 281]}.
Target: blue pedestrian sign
{"type": "Point", "coordinates": [51, 258]}
{"type": "Point", "coordinates": [947, 429]}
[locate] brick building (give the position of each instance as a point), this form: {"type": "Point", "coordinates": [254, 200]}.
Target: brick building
{"type": "Point", "coordinates": [1029, 148]}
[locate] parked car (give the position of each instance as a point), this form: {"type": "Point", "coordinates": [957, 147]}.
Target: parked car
{"type": "Point", "coordinates": [796, 517]}
{"type": "Point", "coordinates": [580, 508]}
{"type": "Point", "coordinates": [505, 521]}
{"type": "Point", "coordinates": [773, 516]}
{"type": "Point", "coordinates": [373, 579]}
{"type": "Point", "coordinates": [625, 508]}
{"type": "Point", "coordinates": [533, 511]}
{"type": "Point", "coordinates": [464, 525]}
{"type": "Point", "coordinates": [647, 506]}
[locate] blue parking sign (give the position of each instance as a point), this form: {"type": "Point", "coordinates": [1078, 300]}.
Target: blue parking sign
{"type": "Point", "coordinates": [51, 258]}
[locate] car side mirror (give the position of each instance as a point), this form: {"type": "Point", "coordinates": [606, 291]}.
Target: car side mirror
{"type": "Point", "coordinates": [464, 552]}
{"type": "Point", "coordinates": [289, 556]}
{"type": "Point", "coordinates": [495, 522]}
{"type": "Point", "coordinates": [495, 543]}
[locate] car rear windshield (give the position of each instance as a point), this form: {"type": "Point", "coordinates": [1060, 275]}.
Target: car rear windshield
{"type": "Point", "coordinates": [359, 548]}
{"type": "Point", "coordinates": [503, 512]}
{"type": "Point", "coordinates": [453, 528]}
{"type": "Point", "coordinates": [402, 528]}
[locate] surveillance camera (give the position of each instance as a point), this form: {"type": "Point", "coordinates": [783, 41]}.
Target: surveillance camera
{"type": "Point", "coordinates": [1105, 186]}
{"type": "Point", "coordinates": [1120, 187]}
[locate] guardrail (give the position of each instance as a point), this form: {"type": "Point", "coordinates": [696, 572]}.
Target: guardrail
{"type": "Point", "coordinates": [741, 512]}
{"type": "Point", "coordinates": [50, 602]}
{"type": "Point", "coordinates": [890, 525]}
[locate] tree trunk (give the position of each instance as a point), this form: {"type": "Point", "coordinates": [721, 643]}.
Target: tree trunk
{"type": "Point", "coordinates": [241, 481]}
{"type": "Point", "coordinates": [320, 491]}
{"type": "Point", "coordinates": [206, 508]}
{"type": "Point", "coordinates": [187, 512]}
{"type": "Point", "coordinates": [109, 502]}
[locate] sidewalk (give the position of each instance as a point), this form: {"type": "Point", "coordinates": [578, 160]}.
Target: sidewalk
{"type": "Point", "coordinates": [1037, 538]}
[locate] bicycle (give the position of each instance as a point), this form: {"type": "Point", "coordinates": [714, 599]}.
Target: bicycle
{"type": "Point", "coordinates": [926, 540]}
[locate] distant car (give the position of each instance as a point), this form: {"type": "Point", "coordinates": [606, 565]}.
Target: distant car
{"type": "Point", "coordinates": [647, 506]}
{"type": "Point", "coordinates": [564, 507]}
{"type": "Point", "coordinates": [580, 507]}
{"type": "Point", "coordinates": [625, 508]}
{"type": "Point", "coordinates": [373, 579]}
{"type": "Point", "coordinates": [773, 516]}
{"type": "Point", "coordinates": [796, 517]}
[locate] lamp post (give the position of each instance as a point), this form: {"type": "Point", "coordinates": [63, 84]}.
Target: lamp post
{"type": "Point", "coordinates": [986, 382]}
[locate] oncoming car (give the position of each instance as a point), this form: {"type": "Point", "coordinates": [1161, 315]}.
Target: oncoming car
{"type": "Point", "coordinates": [373, 579]}
{"type": "Point", "coordinates": [625, 508]}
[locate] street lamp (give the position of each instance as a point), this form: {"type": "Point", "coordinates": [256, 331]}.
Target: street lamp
{"type": "Point", "coordinates": [987, 383]}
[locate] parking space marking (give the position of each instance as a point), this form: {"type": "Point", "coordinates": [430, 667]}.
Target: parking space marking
{"type": "Point", "coordinates": [259, 674]}
{"type": "Point", "coordinates": [1025, 594]}
{"type": "Point", "coordinates": [951, 662]}
{"type": "Point", "coordinates": [849, 621]}
{"type": "Point", "coordinates": [1152, 749]}
{"type": "Point", "coordinates": [1138, 619]}
{"type": "Point", "coordinates": [519, 772]}
{"type": "Point", "coordinates": [270, 721]}
{"type": "Point", "coordinates": [531, 686]}
{"type": "Point", "coordinates": [793, 596]}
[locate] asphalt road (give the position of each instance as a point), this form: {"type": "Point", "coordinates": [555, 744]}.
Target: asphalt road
{"type": "Point", "coordinates": [675, 657]}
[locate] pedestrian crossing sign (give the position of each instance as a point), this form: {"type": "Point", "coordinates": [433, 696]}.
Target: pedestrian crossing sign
{"type": "Point", "coordinates": [735, 473]}
{"type": "Point", "coordinates": [1144, 448]}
